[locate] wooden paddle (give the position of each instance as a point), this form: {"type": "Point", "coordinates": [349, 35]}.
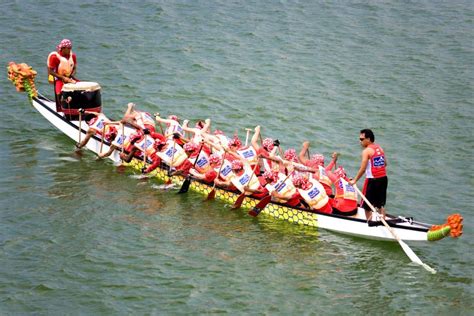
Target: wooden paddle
{"type": "Point", "coordinates": [102, 140]}
{"type": "Point", "coordinates": [187, 181]}
{"type": "Point", "coordinates": [240, 199]}
{"type": "Point", "coordinates": [80, 128]}
{"type": "Point", "coordinates": [159, 123]}
{"type": "Point", "coordinates": [247, 136]}
{"type": "Point", "coordinates": [413, 257]}
{"type": "Point", "coordinates": [212, 194]}
{"type": "Point", "coordinates": [144, 151]}
{"type": "Point", "coordinates": [265, 200]}
{"type": "Point", "coordinates": [123, 137]}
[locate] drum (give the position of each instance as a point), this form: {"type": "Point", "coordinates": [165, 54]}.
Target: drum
{"type": "Point", "coordinates": [83, 94]}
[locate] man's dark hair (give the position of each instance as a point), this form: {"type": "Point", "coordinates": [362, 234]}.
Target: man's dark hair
{"type": "Point", "coordinates": [368, 134]}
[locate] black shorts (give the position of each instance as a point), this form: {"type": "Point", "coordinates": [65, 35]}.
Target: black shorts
{"type": "Point", "coordinates": [376, 192]}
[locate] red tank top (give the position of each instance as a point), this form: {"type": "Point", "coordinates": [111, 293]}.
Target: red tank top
{"type": "Point", "coordinates": [376, 166]}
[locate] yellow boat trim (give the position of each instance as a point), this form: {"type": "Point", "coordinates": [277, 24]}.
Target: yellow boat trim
{"type": "Point", "coordinates": [274, 210]}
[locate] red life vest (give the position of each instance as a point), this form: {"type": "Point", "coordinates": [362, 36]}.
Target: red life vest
{"type": "Point", "coordinates": [376, 165]}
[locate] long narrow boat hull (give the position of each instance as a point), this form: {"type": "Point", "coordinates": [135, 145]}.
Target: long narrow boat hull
{"type": "Point", "coordinates": [355, 226]}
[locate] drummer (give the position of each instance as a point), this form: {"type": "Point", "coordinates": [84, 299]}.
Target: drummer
{"type": "Point", "coordinates": [62, 66]}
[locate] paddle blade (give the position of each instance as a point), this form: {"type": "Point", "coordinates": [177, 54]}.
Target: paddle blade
{"type": "Point", "coordinates": [260, 206]}
{"type": "Point", "coordinates": [413, 257]}
{"type": "Point", "coordinates": [212, 194]}
{"type": "Point", "coordinates": [238, 202]}
{"type": "Point", "coordinates": [185, 186]}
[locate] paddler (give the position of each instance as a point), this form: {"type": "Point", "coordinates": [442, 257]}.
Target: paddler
{"type": "Point", "coordinates": [207, 175]}
{"type": "Point", "coordinates": [345, 200]}
{"type": "Point", "coordinates": [245, 179]}
{"type": "Point", "coordinates": [138, 119]}
{"type": "Point", "coordinates": [247, 153]}
{"type": "Point", "coordinates": [192, 150]}
{"type": "Point", "coordinates": [173, 130]}
{"type": "Point", "coordinates": [373, 164]}
{"type": "Point", "coordinates": [267, 149]}
{"type": "Point", "coordinates": [281, 188]}
{"type": "Point", "coordinates": [98, 126]}
{"type": "Point", "coordinates": [62, 65]}
{"type": "Point", "coordinates": [313, 193]}
{"type": "Point", "coordinates": [220, 175]}
{"type": "Point", "coordinates": [199, 131]}
{"type": "Point", "coordinates": [123, 139]}
{"type": "Point", "coordinates": [317, 162]}
{"type": "Point", "coordinates": [140, 144]}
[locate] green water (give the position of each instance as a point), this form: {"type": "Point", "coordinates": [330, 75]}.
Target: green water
{"type": "Point", "coordinates": [78, 236]}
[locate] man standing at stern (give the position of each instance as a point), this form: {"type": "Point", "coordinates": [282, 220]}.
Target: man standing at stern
{"type": "Point", "coordinates": [374, 165]}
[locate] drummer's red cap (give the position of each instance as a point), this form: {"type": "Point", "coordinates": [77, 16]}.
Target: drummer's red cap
{"type": "Point", "coordinates": [237, 165]}
{"type": "Point", "coordinates": [65, 43]}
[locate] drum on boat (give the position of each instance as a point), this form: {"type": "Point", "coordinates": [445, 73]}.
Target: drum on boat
{"type": "Point", "coordinates": [83, 94]}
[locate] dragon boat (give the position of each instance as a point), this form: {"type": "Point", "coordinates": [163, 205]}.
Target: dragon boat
{"type": "Point", "coordinates": [406, 228]}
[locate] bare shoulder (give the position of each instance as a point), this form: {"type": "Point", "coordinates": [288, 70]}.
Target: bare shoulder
{"type": "Point", "coordinates": [367, 152]}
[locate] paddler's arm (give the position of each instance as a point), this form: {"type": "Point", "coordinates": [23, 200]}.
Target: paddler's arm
{"type": "Point", "coordinates": [255, 137]}
{"type": "Point", "coordinates": [235, 155]}
{"type": "Point", "coordinates": [162, 120]}
{"type": "Point", "coordinates": [90, 112]}
{"type": "Point", "coordinates": [207, 125]}
{"type": "Point", "coordinates": [302, 168]}
{"type": "Point", "coordinates": [331, 176]}
{"type": "Point", "coordinates": [331, 165]}
{"type": "Point", "coordinates": [363, 166]}
{"type": "Point", "coordinates": [130, 107]}
{"type": "Point", "coordinates": [131, 123]}
{"type": "Point", "coordinates": [247, 189]}
{"type": "Point", "coordinates": [113, 123]}
{"type": "Point", "coordinates": [272, 158]}
{"type": "Point", "coordinates": [109, 152]}
{"type": "Point", "coordinates": [304, 150]}
{"type": "Point", "coordinates": [208, 141]}
{"type": "Point", "coordinates": [223, 184]}
{"type": "Point", "coordinates": [186, 128]}
{"type": "Point", "coordinates": [279, 196]}
{"type": "Point", "coordinates": [196, 174]}
{"type": "Point", "coordinates": [177, 136]}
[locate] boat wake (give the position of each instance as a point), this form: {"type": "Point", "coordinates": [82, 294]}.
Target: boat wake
{"type": "Point", "coordinates": [164, 186]}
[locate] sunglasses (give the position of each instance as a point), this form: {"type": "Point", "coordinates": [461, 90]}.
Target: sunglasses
{"type": "Point", "coordinates": [361, 139]}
